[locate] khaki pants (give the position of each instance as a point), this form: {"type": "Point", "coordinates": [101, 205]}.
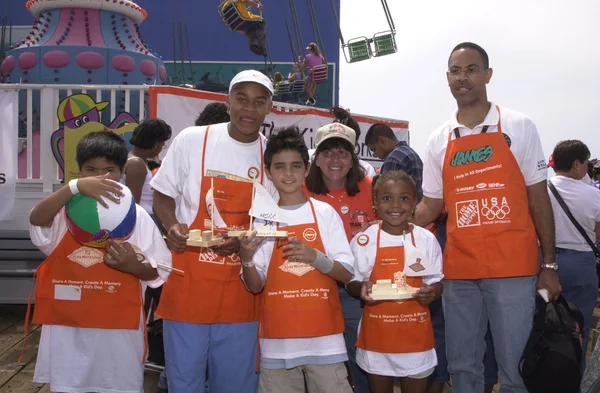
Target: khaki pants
{"type": "Point", "coordinates": [326, 378]}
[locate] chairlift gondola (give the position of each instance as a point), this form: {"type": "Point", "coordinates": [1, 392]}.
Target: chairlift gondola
{"type": "Point", "coordinates": [363, 48]}
{"type": "Point", "coordinates": [234, 20]}
{"type": "Point", "coordinates": [319, 73]}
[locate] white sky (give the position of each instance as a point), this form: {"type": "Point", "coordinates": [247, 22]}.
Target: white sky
{"type": "Point", "coordinates": [545, 56]}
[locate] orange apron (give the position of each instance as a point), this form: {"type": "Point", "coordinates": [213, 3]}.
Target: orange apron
{"type": "Point", "coordinates": [298, 300]}
{"type": "Point", "coordinates": [490, 230]}
{"type": "Point", "coordinates": [74, 287]}
{"type": "Point", "coordinates": [355, 211]}
{"type": "Point", "coordinates": [211, 290]}
{"type": "Point", "coordinates": [390, 326]}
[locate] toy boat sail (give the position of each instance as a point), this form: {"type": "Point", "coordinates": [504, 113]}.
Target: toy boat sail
{"type": "Point", "coordinates": [416, 264]}
{"type": "Point", "coordinates": [198, 238]}
{"type": "Point", "coordinates": [263, 208]}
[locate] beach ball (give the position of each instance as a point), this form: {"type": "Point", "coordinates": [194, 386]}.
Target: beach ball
{"type": "Point", "coordinates": [91, 224]}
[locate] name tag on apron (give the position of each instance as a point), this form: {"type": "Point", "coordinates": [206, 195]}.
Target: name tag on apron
{"type": "Point", "coordinates": [67, 292]}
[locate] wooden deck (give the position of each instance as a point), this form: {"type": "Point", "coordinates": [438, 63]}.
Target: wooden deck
{"type": "Point", "coordinates": [17, 377]}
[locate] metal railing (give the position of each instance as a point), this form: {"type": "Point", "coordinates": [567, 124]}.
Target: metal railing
{"type": "Point", "coordinates": [38, 120]}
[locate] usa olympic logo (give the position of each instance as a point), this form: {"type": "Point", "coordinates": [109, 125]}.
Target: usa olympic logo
{"type": "Point", "coordinates": [499, 212]}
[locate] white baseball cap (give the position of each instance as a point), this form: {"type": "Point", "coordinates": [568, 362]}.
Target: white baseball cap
{"type": "Point", "coordinates": [335, 130]}
{"type": "Point", "coordinates": [252, 76]}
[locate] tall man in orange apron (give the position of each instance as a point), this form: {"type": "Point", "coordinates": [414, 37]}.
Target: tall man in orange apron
{"type": "Point", "coordinates": [486, 165]}
{"type": "Point", "coordinates": [209, 316]}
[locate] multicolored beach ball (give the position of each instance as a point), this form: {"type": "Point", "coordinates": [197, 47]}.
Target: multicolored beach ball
{"type": "Point", "coordinates": [91, 224]}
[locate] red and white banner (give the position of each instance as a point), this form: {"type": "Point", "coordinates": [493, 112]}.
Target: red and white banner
{"type": "Point", "coordinates": [180, 107]}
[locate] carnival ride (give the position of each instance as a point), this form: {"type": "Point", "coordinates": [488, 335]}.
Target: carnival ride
{"type": "Point", "coordinates": [84, 42]}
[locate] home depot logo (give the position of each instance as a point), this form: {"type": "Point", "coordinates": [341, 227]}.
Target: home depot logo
{"type": "Point", "coordinates": [483, 154]}
{"type": "Point", "coordinates": [467, 213]}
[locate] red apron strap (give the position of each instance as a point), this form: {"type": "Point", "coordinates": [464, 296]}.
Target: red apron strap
{"type": "Point", "coordinates": [28, 317]}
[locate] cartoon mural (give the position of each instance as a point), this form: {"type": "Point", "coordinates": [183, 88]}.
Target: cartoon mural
{"type": "Point", "coordinates": [79, 115]}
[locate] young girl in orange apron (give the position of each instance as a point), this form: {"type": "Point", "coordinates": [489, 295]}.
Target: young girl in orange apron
{"type": "Point", "coordinates": [395, 337]}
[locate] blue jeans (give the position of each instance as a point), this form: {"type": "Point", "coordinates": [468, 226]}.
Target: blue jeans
{"type": "Point", "coordinates": [579, 281]}
{"type": "Point", "coordinates": [440, 374]}
{"type": "Point", "coordinates": [229, 350]}
{"type": "Point", "coordinates": [352, 311]}
{"type": "Point", "coordinates": [508, 305]}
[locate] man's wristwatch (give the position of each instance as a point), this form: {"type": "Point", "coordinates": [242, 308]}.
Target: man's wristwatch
{"type": "Point", "coordinates": [552, 266]}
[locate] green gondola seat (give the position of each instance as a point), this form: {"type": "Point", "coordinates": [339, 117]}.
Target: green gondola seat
{"type": "Point", "coordinates": [384, 43]}
{"type": "Point", "coordinates": [359, 49]}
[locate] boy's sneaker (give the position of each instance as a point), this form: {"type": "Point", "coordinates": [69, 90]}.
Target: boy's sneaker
{"type": "Point", "coordinates": [310, 101]}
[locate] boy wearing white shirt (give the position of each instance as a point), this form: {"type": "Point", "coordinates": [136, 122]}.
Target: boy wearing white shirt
{"type": "Point", "coordinates": [301, 323]}
{"type": "Point", "coordinates": [94, 343]}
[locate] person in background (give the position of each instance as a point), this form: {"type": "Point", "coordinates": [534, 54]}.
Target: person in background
{"type": "Point", "coordinates": [596, 174]}
{"type": "Point", "coordinates": [313, 58]}
{"type": "Point", "coordinates": [277, 81]}
{"type": "Point", "coordinates": [296, 73]}
{"type": "Point", "coordinates": [396, 155]}
{"type": "Point", "coordinates": [148, 140]}
{"type": "Point", "coordinates": [213, 113]}
{"type": "Point", "coordinates": [575, 258]}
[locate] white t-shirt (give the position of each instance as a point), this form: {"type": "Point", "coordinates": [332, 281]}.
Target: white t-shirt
{"type": "Point", "coordinates": [336, 246]}
{"type": "Point", "coordinates": [80, 360]}
{"type": "Point", "coordinates": [520, 130]}
{"type": "Point", "coordinates": [404, 364]}
{"type": "Point", "coordinates": [369, 170]}
{"type": "Point", "coordinates": [584, 203]}
{"type": "Point", "coordinates": [180, 171]}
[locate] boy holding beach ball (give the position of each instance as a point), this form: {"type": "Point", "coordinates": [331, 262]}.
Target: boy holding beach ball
{"type": "Point", "coordinates": [101, 250]}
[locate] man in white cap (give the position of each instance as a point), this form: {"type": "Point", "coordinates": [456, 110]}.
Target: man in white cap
{"type": "Point", "coordinates": [209, 316]}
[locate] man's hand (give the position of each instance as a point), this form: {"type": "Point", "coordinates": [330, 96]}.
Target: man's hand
{"type": "Point", "coordinates": [100, 186]}
{"type": "Point", "coordinates": [297, 251]}
{"type": "Point", "coordinates": [177, 237]}
{"type": "Point", "coordinates": [548, 279]}
{"type": "Point", "coordinates": [228, 247]}
{"type": "Point", "coordinates": [121, 257]}
{"type": "Point", "coordinates": [425, 295]}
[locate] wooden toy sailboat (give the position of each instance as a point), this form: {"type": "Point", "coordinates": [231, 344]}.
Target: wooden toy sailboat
{"type": "Point", "coordinates": [198, 238]}
{"type": "Point", "coordinates": [415, 265]}
{"type": "Point", "coordinates": [263, 208]}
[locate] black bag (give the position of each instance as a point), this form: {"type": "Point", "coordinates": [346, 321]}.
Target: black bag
{"type": "Point", "coordinates": [156, 348]}
{"type": "Point", "coordinates": [552, 357]}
